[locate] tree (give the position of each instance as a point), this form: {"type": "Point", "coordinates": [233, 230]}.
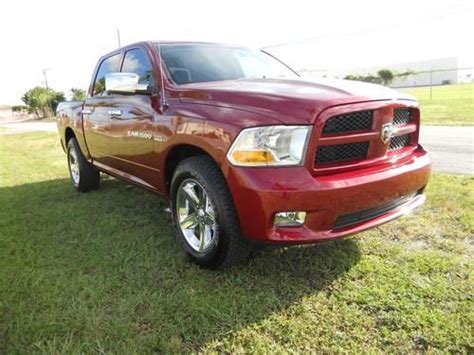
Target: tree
{"type": "Point", "coordinates": [42, 101]}
{"type": "Point", "coordinates": [366, 78]}
{"type": "Point", "coordinates": [386, 76]}
{"type": "Point", "coordinates": [19, 108]}
{"type": "Point", "coordinates": [78, 94]}
{"type": "Point", "coordinates": [404, 74]}
{"type": "Point", "coordinates": [58, 97]}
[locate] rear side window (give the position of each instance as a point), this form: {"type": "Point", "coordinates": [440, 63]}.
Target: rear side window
{"type": "Point", "coordinates": [108, 65]}
{"type": "Point", "coordinates": [136, 61]}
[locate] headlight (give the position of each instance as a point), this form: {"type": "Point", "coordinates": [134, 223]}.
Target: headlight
{"type": "Point", "coordinates": [270, 145]}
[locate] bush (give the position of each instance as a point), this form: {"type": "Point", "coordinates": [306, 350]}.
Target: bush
{"type": "Point", "coordinates": [384, 77]}
{"type": "Point", "coordinates": [42, 101]}
{"type": "Point", "coordinates": [78, 94]}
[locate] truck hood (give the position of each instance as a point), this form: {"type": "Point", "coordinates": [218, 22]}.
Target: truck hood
{"type": "Point", "coordinates": [294, 101]}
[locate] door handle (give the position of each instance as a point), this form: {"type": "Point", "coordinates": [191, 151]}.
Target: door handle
{"type": "Point", "coordinates": [113, 113]}
{"type": "Point", "coordinates": [86, 112]}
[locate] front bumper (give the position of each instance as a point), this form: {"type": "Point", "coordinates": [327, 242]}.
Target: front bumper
{"type": "Point", "coordinates": [259, 193]}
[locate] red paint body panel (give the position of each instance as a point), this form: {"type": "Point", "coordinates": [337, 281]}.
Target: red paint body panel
{"type": "Point", "coordinates": [260, 193]}
{"type": "Point", "coordinates": [209, 116]}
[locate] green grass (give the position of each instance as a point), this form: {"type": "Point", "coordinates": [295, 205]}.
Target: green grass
{"type": "Point", "coordinates": [449, 104]}
{"type": "Point", "coordinates": [101, 272]}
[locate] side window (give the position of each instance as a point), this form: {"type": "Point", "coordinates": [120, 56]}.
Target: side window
{"type": "Point", "coordinates": [108, 65]}
{"type": "Point", "coordinates": [136, 61]}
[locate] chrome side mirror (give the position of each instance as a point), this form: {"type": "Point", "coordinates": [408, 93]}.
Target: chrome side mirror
{"type": "Point", "coordinates": [125, 83]}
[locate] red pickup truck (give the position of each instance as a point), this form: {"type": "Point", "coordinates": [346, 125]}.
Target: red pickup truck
{"type": "Point", "coordinates": [247, 152]}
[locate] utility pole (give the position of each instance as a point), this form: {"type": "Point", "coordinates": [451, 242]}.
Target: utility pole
{"type": "Point", "coordinates": [46, 77]}
{"type": "Point", "coordinates": [47, 87]}
{"type": "Point", "coordinates": [118, 37]}
{"type": "Point", "coordinates": [431, 84]}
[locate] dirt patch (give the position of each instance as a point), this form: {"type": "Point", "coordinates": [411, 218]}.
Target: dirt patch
{"type": "Point", "coordinates": [416, 245]}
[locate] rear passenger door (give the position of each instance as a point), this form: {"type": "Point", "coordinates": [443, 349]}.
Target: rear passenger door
{"type": "Point", "coordinates": [96, 113]}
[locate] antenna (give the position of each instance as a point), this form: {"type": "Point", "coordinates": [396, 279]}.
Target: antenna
{"type": "Point", "coordinates": [164, 104]}
{"type": "Point", "coordinates": [118, 37]}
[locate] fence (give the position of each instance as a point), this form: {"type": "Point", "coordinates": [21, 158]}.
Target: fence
{"type": "Point", "coordinates": [407, 79]}
{"type": "Point", "coordinates": [434, 77]}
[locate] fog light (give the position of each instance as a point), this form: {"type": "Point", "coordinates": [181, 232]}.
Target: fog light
{"type": "Point", "coordinates": [289, 219]}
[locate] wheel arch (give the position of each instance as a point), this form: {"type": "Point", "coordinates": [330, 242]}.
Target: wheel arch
{"type": "Point", "coordinates": [178, 153]}
{"type": "Point", "coordinates": [68, 134]}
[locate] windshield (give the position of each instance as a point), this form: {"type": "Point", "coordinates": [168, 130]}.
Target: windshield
{"type": "Point", "coordinates": [195, 63]}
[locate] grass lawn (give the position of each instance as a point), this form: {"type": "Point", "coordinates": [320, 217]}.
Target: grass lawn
{"type": "Point", "coordinates": [449, 105]}
{"type": "Point", "coordinates": [101, 272]}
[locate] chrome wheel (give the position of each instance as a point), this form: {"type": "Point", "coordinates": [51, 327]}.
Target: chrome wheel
{"type": "Point", "coordinates": [74, 166]}
{"type": "Point", "coordinates": [196, 215]}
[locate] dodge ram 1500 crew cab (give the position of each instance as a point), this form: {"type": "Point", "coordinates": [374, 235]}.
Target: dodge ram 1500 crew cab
{"type": "Point", "coordinates": [246, 151]}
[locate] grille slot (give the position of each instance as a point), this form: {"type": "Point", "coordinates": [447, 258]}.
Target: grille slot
{"type": "Point", "coordinates": [365, 215]}
{"type": "Point", "coordinates": [353, 121]}
{"type": "Point", "coordinates": [401, 115]}
{"type": "Point", "coordinates": [399, 142]}
{"type": "Point", "coordinates": [342, 152]}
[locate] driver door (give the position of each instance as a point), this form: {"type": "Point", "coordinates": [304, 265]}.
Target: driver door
{"type": "Point", "coordinates": [132, 125]}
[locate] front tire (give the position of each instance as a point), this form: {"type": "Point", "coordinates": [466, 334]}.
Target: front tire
{"type": "Point", "coordinates": [204, 215]}
{"type": "Point", "coordinates": [84, 176]}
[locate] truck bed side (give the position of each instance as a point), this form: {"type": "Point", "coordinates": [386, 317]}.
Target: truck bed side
{"type": "Point", "coordinates": [69, 120]}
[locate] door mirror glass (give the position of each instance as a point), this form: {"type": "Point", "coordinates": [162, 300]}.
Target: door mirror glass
{"type": "Point", "coordinates": [125, 83]}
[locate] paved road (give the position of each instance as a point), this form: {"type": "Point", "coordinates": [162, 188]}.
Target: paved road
{"type": "Point", "coordinates": [28, 126]}
{"type": "Point", "coordinates": [451, 147]}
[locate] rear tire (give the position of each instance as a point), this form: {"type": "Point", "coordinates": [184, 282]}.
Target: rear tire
{"type": "Point", "coordinates": [84, 176]}
{"type": "Point", "coordinates": [206, 225]}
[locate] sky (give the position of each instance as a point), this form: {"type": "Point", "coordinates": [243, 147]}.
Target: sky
{"type": "Point", "coordinates": [66, 38]}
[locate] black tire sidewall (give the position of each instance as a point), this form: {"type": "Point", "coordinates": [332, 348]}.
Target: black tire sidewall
{"type": "Point", "coordinates": [231, 248]}
{"type": "Point", "coordinates": [89, 176]}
